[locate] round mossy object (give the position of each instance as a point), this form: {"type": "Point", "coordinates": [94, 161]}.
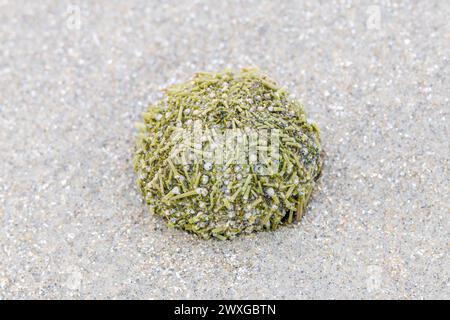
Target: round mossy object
{"type": "Point", "coordinates": [227, 153]}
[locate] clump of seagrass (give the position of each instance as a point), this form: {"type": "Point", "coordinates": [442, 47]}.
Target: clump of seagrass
{"type": "Point", "coordinates": [252, 167]}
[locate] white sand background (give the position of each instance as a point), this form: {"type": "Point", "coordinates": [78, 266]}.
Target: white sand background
{"type": "Point", "coordinates": [75, 77]}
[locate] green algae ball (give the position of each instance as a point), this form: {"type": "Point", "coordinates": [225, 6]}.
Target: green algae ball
{"type": "Point", "coordinates": [227, 153]}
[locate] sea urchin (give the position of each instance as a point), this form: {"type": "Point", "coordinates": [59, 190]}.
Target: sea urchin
{"type": "Point", "coordinates": [227, 153]}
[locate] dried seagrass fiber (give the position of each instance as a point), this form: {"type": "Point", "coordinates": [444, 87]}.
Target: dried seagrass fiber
{"type": "Point", "coordinates": [227, 153]}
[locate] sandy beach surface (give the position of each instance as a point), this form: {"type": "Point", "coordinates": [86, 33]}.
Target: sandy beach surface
{"type": "Point", "coordinates": [75, 77]}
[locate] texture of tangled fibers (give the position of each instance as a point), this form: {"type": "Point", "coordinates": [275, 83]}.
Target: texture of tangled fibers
{"type": "Point", "coordinates": [227, 153]}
